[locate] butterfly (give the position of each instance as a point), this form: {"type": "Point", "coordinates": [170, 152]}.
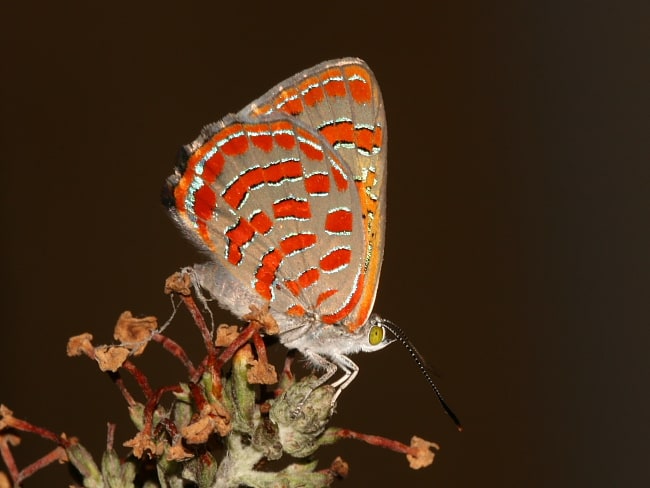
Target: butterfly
{"type": "Point", "coordinates": [288, 199]}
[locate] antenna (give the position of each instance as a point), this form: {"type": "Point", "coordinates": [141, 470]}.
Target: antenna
{"type": "Point", "coordinates": [424, 368]}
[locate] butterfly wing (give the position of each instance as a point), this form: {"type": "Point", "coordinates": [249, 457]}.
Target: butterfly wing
{"type": "Point", "coordinates": [341, 101]}
{"type": "Point", "coordinates": [278, 209]}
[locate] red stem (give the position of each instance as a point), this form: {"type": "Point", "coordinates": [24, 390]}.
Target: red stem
{"type": "Point", "coordinates": [110, 436]}
{"type": "Point", "coordinates": [375, 440]}
{"type": "Point", "coordinates": [57, 454]}
{"type": "Point", "coordinates": [198, 372]}
{"type": "Point", "coordinates": [260, 347]}
{"type": "Point", "coordinates": [8, 458]}
{"type": "Point", "coordinates": [287, 375]}
{"type": "Point", "coordinates": [25, 426]}
{"type": "Point", "coordinates": [286, 369]}
{"type": "Point", "coordinates": [139, 377]}
{"type": "Point", "coordinates": [200, 323]}
{"type": "Point", "coordinates": [119, 382]}
{"type": "Point", "coordinates": [199, 398]}
{"type": "Point", "coordinates": [243, 337]}
{"type": "Point", "coordinates": [152, 403]}
{"type": "Point", "coordinates": [175, 350]}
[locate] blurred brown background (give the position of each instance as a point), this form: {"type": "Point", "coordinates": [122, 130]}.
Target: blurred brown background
{"type": "Point", "coordinates": [517, 238]}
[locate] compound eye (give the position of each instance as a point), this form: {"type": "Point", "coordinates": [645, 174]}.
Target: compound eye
{"type": "Point", "coordinates": [376, 335]}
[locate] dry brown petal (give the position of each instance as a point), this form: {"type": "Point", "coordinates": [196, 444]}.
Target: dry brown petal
{"type": "Point", "coordinates": [4, 480]}
{"type": "Point", "coordinates": [221, 417]}
{"type": "Point", "coordinates": [134, 332]}
{"type": "Point", "coordinates": [261, 373]}
{"type": "Point", "coordinates": [142, 444]}
{"type": "Point", "coordinates": [214, 418]}
{"type": "Point", "coordinates": [178, 452]}
{"type": "Point", "coordinates": [9, 439]}
{"type": "Point", "coordinates": [219, 409]}
{"type": "Point", "coordinates": [80, 344]}
{"type": "Point", "coordinates": [199, 431]}
{"type": "Point", "coordinates": [226, 334]}
{"type": "Point", "coordinates": [421, 454]}
{"type": "Point", "coordinates": [340, 468]}
{"type": "Point", "coordinates": [264, 317]}
{"type": "Point", "coordinates": [223, 426]}
{"type": "Point", "coordinates": [111, 358]}
{"type": "Point", "coordinates": [180, 283]}
{"type": "Point", "coordinates": [7, 420]}
{"type": "Point", "coordinates": [73, 441]}
{"type": "Point", "coordinates": [265, 408]}
{"type": "Point", "coordinates": [5, 411]}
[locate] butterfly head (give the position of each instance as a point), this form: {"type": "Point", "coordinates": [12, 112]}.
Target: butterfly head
{"type": "Point", "coordinates": [375, 334]}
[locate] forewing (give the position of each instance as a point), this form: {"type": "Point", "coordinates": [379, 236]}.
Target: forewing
{"type": "Point", "coordinates": [341, 100]}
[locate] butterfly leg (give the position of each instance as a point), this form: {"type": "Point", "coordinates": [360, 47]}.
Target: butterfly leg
{"type": "Point", "coordinates": [346, 365]}
{"type": "Point", "coordinates": [350, 371]}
